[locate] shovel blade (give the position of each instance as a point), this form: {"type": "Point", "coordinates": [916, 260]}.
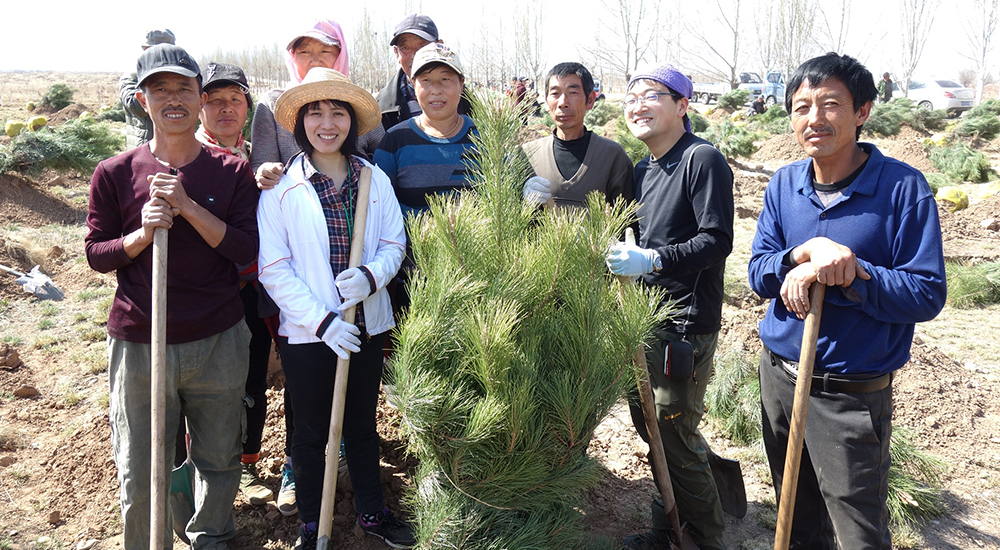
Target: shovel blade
{"type": "Point", "coordinates": [40, 285]}
{"type": "Point", "coordinates": [729, 480]}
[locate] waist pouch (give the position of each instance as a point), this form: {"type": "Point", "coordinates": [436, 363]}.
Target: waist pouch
{"type": "Point", "coordinates": [678, 360]}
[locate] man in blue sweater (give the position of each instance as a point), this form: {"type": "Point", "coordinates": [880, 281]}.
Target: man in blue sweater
{"type": "Point", "coordinates": [867, 227]}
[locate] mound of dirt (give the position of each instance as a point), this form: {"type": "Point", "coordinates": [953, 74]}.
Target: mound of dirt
{"type": "Point", "coordinates": [971, 233]}
{"type": "Point", "coordinates": [68, 113]}
{"type": "Point", "coordinates": [26, 203]}
{"type": "Point", "coordinates": [907, 146]}
{"type": "Point", "coordinates": [779, 151]}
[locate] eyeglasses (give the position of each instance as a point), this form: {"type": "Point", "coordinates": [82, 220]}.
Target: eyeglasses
{"type": "Point", "coordinates": [651, 98]}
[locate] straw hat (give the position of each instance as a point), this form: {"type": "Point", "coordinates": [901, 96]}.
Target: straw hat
{"type": "Point", "coordinates": [321, 83]}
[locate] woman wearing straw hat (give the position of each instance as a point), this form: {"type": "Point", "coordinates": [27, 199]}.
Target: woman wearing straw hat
{"type": "Point", "coordinates": [322, 45]}
{"type": "Point", "coordinates": [305, 224]}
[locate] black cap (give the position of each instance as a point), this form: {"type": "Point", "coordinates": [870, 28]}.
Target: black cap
{"type": "Point", "coordinates": [420, 25]}
{"type": "Point", "coordinates": [215, 75]}
{"type": "Point", "coordinates": [166, 58]}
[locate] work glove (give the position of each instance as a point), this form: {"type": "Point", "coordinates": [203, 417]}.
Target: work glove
{"type": "Point", "coordinates": [342, 337]}
{"type": "Point", "coordinates": [628, 260]}
{"type": "Point", "coordinates": [354, 286]}
{"type": "Point", "coordinates": [537, 190]}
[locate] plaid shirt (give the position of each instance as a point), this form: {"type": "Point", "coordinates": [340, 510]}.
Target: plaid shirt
{"type": "Point", "coordinates": [338, 209]}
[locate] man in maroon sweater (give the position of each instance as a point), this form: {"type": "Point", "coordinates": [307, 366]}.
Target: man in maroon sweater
{"type": "Point", "coordinates": [207, 200]}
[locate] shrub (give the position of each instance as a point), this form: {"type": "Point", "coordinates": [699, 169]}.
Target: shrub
{"type": "Point", "coordinates": [974, 285]}
{"type": "Point", "coordinates": [984, 125]}
{"type": "Point", "coordinates": [117, 114]}
{"type": "Point", "coordinates": [732, 399]}
{"type": "Point", "coordinates": [914, 480]}
{"type": "Point", "coordinates": [886, 118]}
{"type": "Point", "coordinates": [990, 106]}
{"type": "Point", "coordinates": [961, 163]}
{"type": "Point", "coordinates": [772, 121]}
{"type": "Point", "coordinates": [633, 146]}
{"type": "Point", "coordinates": [58, 97]}
{"type": "Point", "coordinates": [546, 120]}
{"type": "Point", "coordinates": [77, 145]}
{"type": "Point", "coordinates": [733, 140]}
{"type": "Point", "coordinates": [602, 113]}
{"type": "Point", "coordinates": [928, 120]}
{"type": "Point", "coordinates": [734, 99]}
{"type": "Point", "coordinates": [698, 123]}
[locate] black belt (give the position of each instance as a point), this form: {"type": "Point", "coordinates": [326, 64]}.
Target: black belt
{"type": "Point", "coordinates": [829, 382]}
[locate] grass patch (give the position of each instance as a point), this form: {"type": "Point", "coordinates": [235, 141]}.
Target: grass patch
{"type": "Point", "coordinates": [71, 397]}
{"type": "Point", "coordinates": [17, 476]}
{"type": "Point", "coordinates": [46, 342]}
{"type": "Point", "coordinates": [46, 324]}
{"type": "Point", "coordinates": [914, 481]}
{"type": "Point", "coordinates": [973, 285]}
{"type": "Point", "coordinates": [103, 400]}
{"type": "Point", "coordinates": [48, 309]}
{"type": "Point", "coordinates": [93, 361]}
{"type": "Point", "coordinates": [12, 339]}
{"type": "Point", "coordinates": [93, 334]}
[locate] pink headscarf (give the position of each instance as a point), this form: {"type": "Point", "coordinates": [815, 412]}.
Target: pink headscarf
{"type": "Point", "coordinates": [329, 33]}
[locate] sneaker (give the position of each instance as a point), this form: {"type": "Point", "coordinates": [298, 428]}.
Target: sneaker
{"type": "Point", "coordinates": [306, 539]}
{"type": "Point", "coordinates": [654, 539]}
{"type": "Point", "coordinates": [286, 495]}
{"type": "Point", "coordinates": [253, 487]}
{"type": "Point", "coordinates": [384, 525]}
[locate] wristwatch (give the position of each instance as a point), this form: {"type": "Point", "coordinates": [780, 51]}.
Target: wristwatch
{"type": "Point", "coordinates": [657, 262]}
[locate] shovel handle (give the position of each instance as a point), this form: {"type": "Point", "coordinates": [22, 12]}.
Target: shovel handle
{"type": "Point", "coordinates": [800, 407]}
{"type": "Point", "coordinates": [340, 380]}
{"type": "Point", "coordinates": [158, 394]}
{"type": "Point", "coordinates": [657, 455]}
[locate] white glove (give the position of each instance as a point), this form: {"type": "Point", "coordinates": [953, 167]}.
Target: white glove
{"type": "Point", "coordinates": [537, 190]}
{"type": "Point", "coordinates": [628, 260]}
{"type": "Point", "coordinates": [353, 286]}
{"type": "Point", "coordinates": [342, 337]}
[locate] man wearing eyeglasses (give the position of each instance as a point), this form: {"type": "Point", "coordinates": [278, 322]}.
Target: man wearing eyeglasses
{"type": "Point", "coordinates": [397, 100]}
{"type": "Point", "coordinates": [685, 192]}
{"type": "Point", "coordinates": [574, 162]}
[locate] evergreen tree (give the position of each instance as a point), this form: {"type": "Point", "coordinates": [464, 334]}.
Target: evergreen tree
{"type": "Point", "coordinates": [515, 346]}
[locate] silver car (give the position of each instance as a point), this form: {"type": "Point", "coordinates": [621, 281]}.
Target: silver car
{"type": "Point", "coordinates": [940, 94]}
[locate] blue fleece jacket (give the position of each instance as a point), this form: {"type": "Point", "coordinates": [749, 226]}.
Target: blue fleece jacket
{"type": "Point", "coordinates": [888, 218]}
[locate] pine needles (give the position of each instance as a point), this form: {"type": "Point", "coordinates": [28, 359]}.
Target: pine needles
{"type": "Point", "coordinates": [77, 145]}
{"type": "Point", "coordinates": [962, 163]}
{"type": "Point", "coordinates": [514, 348]}
{"type": "Point", "coordinates": [973, 285]}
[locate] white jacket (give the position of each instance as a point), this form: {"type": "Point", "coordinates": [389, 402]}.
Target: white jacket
{"type": "Point", "coordinates": [294, 258]}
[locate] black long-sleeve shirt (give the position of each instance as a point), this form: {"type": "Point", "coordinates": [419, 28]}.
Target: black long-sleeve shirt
{"type": "Point", "coordinates": [686, 214]}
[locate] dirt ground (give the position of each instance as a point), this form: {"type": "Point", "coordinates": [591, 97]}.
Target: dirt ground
{"type": "Point", "coordinates": [58, 485]}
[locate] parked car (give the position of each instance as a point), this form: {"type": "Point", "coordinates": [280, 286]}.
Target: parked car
{"type": "Point", "coordinates": [773, 89]}
{"type": "Point", "coordinates": [939, 94]}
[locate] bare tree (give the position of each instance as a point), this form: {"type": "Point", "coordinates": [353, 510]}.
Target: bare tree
{"type": "Point", "coordinates": [836, 25]}
{"type": "Point", "coordinates": [766, 25]}
{"type": "Point", "coordinates": [529, 37]}
{"type": "Point", "coordinates": [795, 25]}
{"type": "Point", "coordinates": [371, 62]}
{"type": "Point", "coordinates": [719, 49]}
{"type": "Point", "coordinates": [983, 16]}
{"type": "Point", "coordinates": [485, 62]}
{"type": "Point", "coordinates": [631, 38]}
{"type": "Point", "coordinates": [916, 19]}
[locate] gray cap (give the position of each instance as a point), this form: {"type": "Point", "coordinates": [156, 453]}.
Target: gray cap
{"type": "Point", "coordinates": [159, 36]}
{"type": "Point", "coordinates": [166, 58]}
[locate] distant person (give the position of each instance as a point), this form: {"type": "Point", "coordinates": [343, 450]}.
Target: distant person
{"type": "Point", "coordinates": [574, 161]}
{"type": "Point", "coordinates": [138, 128]}
{"type": "Point", "coordinates": [321, 45]}
{"type": "Point", "coordinates": [397, 100]}
{"type": "Point", "coordinates": [208, 201]}
{"type": "Point", "coordinates": [758, 107]}
{"type": "Point", "coordinates": [885, 88]}
{"type": "Point", "coordinates": [866, 226]}
{"type": "Point", "coordinates": [222, 118]}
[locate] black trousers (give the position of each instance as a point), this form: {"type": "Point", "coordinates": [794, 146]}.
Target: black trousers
{"type": "Point", "coordinates": [840, 500]}
{"type": "Point", "coordinates": [309, 375]}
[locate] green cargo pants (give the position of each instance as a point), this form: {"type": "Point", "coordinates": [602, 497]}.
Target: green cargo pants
{"type": "Point", "coordinates": [679, 408]}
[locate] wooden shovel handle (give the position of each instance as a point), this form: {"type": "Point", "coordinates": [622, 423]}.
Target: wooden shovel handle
{"type": "Point", "coordinates": [158, 392]}
{"type": "Point", "coordinates": [340, 381]}
{"type": "Point", "coordinates": [800, 407]}
{"type": "Point", "coordinates": [657, 456]}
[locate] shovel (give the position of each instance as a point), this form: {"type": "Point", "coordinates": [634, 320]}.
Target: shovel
{"type": "Point", "coordinates": [340, 381]}
{"type": "Point", "coordinates": [728, 477]}
{"type": "Point", "coordinates": [797, 428]}
{"type": "Point", "coordinates": [36, 283]}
